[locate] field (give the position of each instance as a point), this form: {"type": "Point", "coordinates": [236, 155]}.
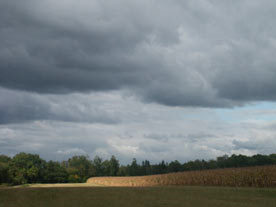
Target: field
{"type": "Point", "coordinates": [262, 176]}
{"type": "Point", "coordinates": [168, 190]}
{"type": "Point", "coordinates": [169, 196]}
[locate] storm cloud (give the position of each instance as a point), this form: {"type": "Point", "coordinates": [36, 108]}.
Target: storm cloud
{"type": "Point", "coordinates": [18, 107]}
{"type": "Point", "coordinates": [205, 53]}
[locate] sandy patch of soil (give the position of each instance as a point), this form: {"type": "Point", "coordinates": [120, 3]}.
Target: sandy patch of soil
{"type": "Point", "coordinates": [62, 185]}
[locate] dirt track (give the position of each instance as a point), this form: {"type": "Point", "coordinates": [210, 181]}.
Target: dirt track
{"type": "Point", "coordinates": [69, 185]}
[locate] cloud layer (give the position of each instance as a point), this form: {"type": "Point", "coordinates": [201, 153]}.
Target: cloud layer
{"type": "Point", "coordinates": [144, 78]}
{"type": "Point", "coordinates": [17, 107]}
{"type": "Point", "coordinates": [150, 131]}
{"type": "Point", "coordinates": [205, 53]}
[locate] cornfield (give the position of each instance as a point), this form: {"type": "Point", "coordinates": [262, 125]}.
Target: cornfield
{"type": "Point", "coordinates": [264, 176]}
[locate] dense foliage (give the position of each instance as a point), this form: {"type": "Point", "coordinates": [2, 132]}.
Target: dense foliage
{"type": "Point", "coordinates": [30, 168]}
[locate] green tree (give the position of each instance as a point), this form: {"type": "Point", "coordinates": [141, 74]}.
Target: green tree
{"type": "Point", "coordinates": [160, 168]}
{"type": "Point", "coordinates": [98, 166]}
{"type": "Point", "coordinates": [114, 166]}
{"type": "Point", "coordinates": [106, 168]}
{"type": "Point", "coordinates": [134, 168]}
{"type": "Point", "coordinates": [4, 173]}
{"type": "Point", "coordinates": [174, 166]}
{"type": "Point", "coordinates": [55, 173]}
{"type": "Point", "coordinates": [81, 166]}
{"type": "Point", "coordinates": [4, 169]}
{"type": "Point", "coordinates": [4, 159]}
{"type": "Point", "coordinates": [123, 171]}
{"type": "Point", "coordinates": [222, 161]}
{"type": "Point", "coordinates": [212, 164]}
{"type": "Point", "coordinates": [146, 168]}
{"type": "Point", "coordinates": [26, 168]}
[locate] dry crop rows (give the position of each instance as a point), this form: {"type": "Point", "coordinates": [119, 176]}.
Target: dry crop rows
{"type": "Point", "coordinates": [264, 176]}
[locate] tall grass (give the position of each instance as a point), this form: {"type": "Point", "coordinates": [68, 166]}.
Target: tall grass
{"type": "Point", "coordinates": [264, 176]}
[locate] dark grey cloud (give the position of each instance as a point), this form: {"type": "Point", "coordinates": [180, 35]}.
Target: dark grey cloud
{"type": "Point", "coordinates": [55, 55]}
{"type": "Point", "coordinates": [205, 53]}
{"type": "Point", "coordinates": [18, 107]}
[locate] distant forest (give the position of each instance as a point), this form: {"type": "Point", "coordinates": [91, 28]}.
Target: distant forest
{"type": "Point", "coordinates": [30, 168]}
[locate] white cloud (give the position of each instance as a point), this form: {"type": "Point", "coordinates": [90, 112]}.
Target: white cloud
{"type": "Point", "coordinates": [146, 131]}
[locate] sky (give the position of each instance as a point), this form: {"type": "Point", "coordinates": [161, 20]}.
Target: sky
{"type": "Point", "coordinates": [145, 79]}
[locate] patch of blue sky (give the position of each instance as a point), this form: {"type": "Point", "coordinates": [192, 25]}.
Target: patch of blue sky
{"type": "Point", "coordinates": [265, 111]}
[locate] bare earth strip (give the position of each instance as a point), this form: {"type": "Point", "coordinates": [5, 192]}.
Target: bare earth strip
{"type": "Point", "coordinates": [62, 185]}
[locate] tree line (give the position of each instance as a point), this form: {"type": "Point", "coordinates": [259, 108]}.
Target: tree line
{"type": "Point", "coordinates": [30, 168]}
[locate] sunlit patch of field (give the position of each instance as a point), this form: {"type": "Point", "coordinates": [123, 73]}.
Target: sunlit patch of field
{"type": "Point", "coordinates": [62, 185]}
{"type": "Point", "coordinates": [261, 176]}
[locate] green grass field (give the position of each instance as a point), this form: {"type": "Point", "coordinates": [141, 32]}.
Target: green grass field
{"type": "Point", "coordinates": [134, 197]}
